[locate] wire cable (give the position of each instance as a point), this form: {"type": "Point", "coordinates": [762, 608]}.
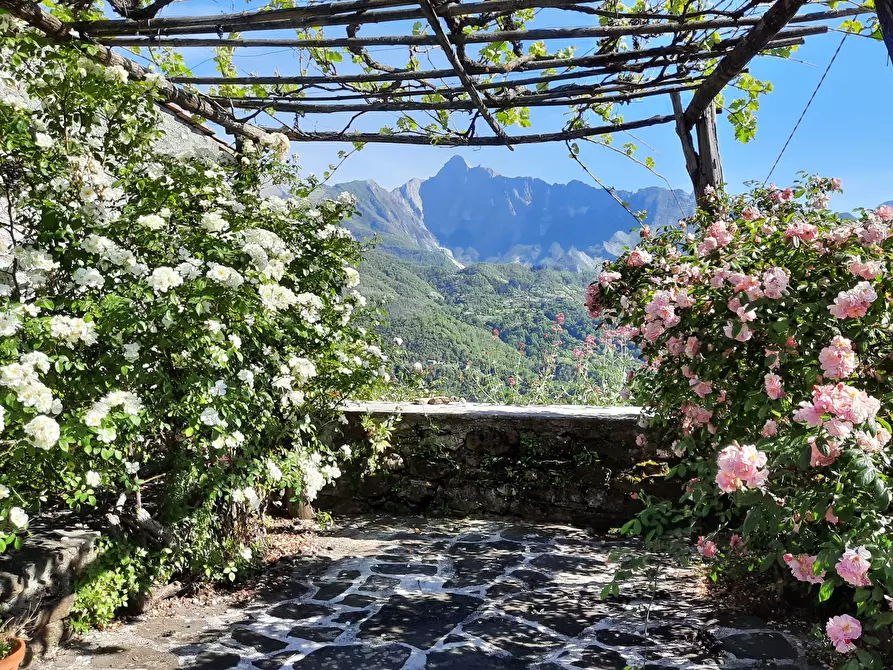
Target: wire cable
{"type": "Point", "coordinates": [806, 109]}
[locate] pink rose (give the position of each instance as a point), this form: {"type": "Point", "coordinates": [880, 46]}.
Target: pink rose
{"type": "Point", "coordinates": [836, 184]}
{"type": "Point", "coordinates": [750, 213]}
{"type": "Point", "coordinates": [884, 213]}
{"type": "Point", "coordinates": [854, 565]}
{"type": "Point", "coordinates": [743, 335]}
{"type": "Point", "coordinates": [775, 282]}
{"type": "Point", "coordinates": [866, 270]}
{"type": "Point", "coordinates": [770, 429]}
{"type": "Point", "coordinates": [638, 258]}
{"type": "Point", "coordinates": [606, 278]}
{"type": "Point", "coordinates": [817, 458]}
{"type": "Point", "coordinates": [838, 359]}
{"type": "Point", "coordinates": [641, 440]}
{"type": "Point", "coordinates": [692, 346]}
{"type": "Point", "coordinates": [830, 516]}
{"type": "Point", "coordinates": [842, 630]}
{"type": "Point", "coordinates": [774, 387]}
{"type": "Point", "coordinates": [802, 568]}
{"type": "Point", "coordinates": [707, 548]}
{"type": "Point", "coordinates": [853, 303]}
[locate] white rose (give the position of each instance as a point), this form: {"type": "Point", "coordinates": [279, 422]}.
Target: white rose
{"type": "Point", "coordinates": [18, 518]}
{"type": "Point", "coordinates": [131, 352]}
{"type": "Point", "coordinates": [92, 478]}
{"type": "Point", "coordinates": [4, 492]}
{"type": "Point", "coordinates": [151, 221]}
{"type": "Point", "coordinates": [43, 432]}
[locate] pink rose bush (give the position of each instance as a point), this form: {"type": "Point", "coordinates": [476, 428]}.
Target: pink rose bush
{"type": "Point", "coordinates": [764, 322]}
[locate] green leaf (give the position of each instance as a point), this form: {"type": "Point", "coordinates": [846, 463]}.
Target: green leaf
{"type": "Point", "coordinates": [826, 590]}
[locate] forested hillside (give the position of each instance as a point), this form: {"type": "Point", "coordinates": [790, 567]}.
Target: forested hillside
{"type": "Point", "coordinates": [487, 329]}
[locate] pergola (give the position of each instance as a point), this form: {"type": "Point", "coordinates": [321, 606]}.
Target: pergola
{"type": "Point", "coordinates": [666, 48]}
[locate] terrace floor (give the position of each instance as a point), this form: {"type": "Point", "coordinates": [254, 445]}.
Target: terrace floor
{"type": "Point", "coordinates": [389, 593]}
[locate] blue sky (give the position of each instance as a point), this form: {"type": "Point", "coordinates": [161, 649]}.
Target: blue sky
{"type": "Point", "coordinates": [843, 134]}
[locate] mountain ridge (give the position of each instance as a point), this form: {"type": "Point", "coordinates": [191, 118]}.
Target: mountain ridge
{"type": "Point", "coordinates": [466, 214]}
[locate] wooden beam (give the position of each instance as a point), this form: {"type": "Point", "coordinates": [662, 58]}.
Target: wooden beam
{"type": "Point", "coordinates": [467, 82]}
{"type": "Point", "coordinates": [733, 63]}
{"type": "Point", "coordinates": [370, 11]}
{"type": "Point", "coordinates": [310, 107]}
{"type": "Point", "coordinates": [679, 55]}
{"type": "Point", "coordinates": [451, 93]}
{"type": "Point", "coordinates": [464, 141]}
{"type": "Point", "coordinates": [470, 38]}
{"type": "Point", "coordinates": [54, 29]}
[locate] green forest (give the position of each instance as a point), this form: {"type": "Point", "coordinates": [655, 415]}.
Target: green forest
{"type": "Point", "coordinates": [493, 332]}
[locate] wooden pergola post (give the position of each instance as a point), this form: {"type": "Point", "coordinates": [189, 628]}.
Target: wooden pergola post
{"type": "Point", "coordinates": [704, 163]}
{"type": "Point", "coordinates": [884, 10]}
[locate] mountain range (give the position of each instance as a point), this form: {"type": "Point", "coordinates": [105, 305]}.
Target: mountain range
{"type": "Point", "coordinates": [465, 215]}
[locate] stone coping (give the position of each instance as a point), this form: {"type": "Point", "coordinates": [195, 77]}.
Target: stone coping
{"type": "Point", "coordinates": [473, 410]}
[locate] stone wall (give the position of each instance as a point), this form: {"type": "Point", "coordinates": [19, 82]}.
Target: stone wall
{"type": "Point", "coordinates": [555, 463]}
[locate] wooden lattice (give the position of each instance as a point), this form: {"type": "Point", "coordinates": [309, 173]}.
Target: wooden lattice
{"type": "Point", "coordinates": [697, 48]}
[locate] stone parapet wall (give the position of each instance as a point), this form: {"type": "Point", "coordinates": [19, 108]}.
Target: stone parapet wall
{"type": "Point", "coordinates": [550, 463]}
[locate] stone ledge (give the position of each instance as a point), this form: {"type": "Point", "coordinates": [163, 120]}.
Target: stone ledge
{"type": "Point", "coordinates": [482, 410]}
{"type": "Point", "coordinates": [560, 463]}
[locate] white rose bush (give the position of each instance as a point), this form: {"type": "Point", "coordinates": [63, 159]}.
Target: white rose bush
{"type": "Point", "coordinates": [171, 333]}
{"type": "Point", "coordinates": [765, 324]}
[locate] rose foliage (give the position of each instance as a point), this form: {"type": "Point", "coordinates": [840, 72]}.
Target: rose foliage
{"type": "Point", "coordinates": [765, 323]}
{"type": "Point", "coordinates": [171, 335]}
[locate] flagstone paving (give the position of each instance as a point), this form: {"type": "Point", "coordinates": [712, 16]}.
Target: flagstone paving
{"type": "Point", "coordinates": [451, 595]}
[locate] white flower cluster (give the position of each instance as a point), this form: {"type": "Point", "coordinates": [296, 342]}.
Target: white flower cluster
{"type": "Point", "coordinates": [275, 297]}
{"type": "Point", "coordinates": [269, 254]}
{"type": "Point", "coordinates": [23, 378]}
{"type": "Point", "coordinates": [214, 222]}
{"type": "Point", "coordinates": [351, 277]}
{"type": "Point", "coordinates": [43, 432]}
{"type": "Point", "coordinates": [129, 402]}
{"type": "Point", "coordinates": [73, 329]}
{"type": "Point", "coordinates": [113, 255]}
{"type": "Point", "coordinates": [164, 278]}
{"type": "Point", "coordinates": [330, 230]}
{"type": "Point", "coordinates": [32, 265]}
{"type": "Point", "coordinates": [278, 144]}
{"type": "Point", "coordinates": [223, 274]}
{"type": "Point", "coordinates": [316, 474]}
{"type": "Point", "coordinates": [311, 306]}
{"type": "Point", "coordinates": [88, 278]}
{"type": "Point", "coordinates": [247, 495]}
{"type": "Point", "coordinates": [228, 441]}
{"type": "Point", "coordinates": [101, 199]}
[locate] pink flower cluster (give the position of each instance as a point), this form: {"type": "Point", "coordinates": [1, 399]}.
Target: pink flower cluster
{"type": "Point", "coordinates": [801, 231]}
{"type": "Point", "coordinates": [854, 565]}
{"type": "Point", "coordinates": [695, 416]}
{"type": "Point", "coordinates": [869, 443]}
{"type": "Point", "coordinates": [774, 387]}
{"type": "Point", "coordinates": [777, 195]}
{"type": "Point", "coordinates": [842, 630]}
{"type": "Point", "coordinates": [884, 213]}
{"type": "Point", "coordinates": [606, 278]}
{"type": "Point", "coordinates": [744, 334]}
{"type": "Point", "coordinates": [853, 303]}
{"type": "Point", "coordinates": [844, 402]}
{"type": "Point", "coordinates": [866, 270]}
{"type": "Point", "coordinates": [817, 458]}
{"type": "Point", "coordinates": [741, 466]}
{"type": "Point", "coordinates": [838, 360]}
{"type": "Point", "coordinates": [707, 548]}
{"type": "Point", "coordinates": [775, 282]}
{"type": "Point", "coordinates": [802, 568]}
{"type": "Point", "coordinates": [750, 213]}
{"type": "Point", "coordinates": [720, 234]}
{"type": "Point", "coordinates": [638, 258]}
